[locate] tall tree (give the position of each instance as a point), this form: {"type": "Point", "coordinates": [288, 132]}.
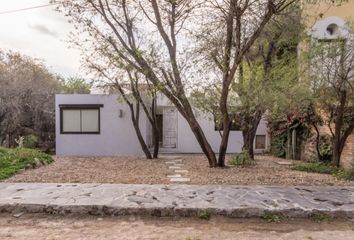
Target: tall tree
{"type": "Point", "coordinates": [26, 98]}
{"type": "Point", "coordinates": [236, 25]}
{"type": "Point", "coordinates": [332, 83]}
{"type": "Point", "coordinates": [146, 35]}
{"type": "Point", "coordinates": [150, 36]}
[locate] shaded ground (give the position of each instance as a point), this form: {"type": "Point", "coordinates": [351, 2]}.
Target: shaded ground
{"type": "Point", "coordinates": [137, 170]}
{"type": "Point", "coordinates": [38, 227]}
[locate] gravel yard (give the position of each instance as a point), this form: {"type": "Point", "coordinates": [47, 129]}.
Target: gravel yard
{"type": "Point", "coordinates": [137, 170]}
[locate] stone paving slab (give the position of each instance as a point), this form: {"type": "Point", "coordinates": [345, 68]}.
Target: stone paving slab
{"type": "Point", "coordinates": [180, 179]}
{"type": "Point", "coordinates": [179, 200]}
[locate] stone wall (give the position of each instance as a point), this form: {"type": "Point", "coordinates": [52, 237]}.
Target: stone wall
{"type": "Point", "coordinates": [347, 159]}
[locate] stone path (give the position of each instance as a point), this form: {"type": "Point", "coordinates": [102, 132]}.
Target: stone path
{"type": "Point", "coordinates": [176, 173]}
{"type": "Point", "coordinates": [176, 200]}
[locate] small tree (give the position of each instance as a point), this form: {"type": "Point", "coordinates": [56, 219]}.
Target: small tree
{"type": "Point", "coordinates": [332, 83]}
{"type": "Point", "coordinates": [135, 92]}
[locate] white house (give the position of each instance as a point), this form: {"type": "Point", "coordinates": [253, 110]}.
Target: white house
{"type": "Point", "coordinates": [100, 125]}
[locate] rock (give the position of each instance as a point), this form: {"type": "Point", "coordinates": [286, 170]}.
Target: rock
{"type": "Point", "coordinates": [179, 179]}
{"type": "Point", "coordinates": [22, 170]}
{"type": "Point", "coordinates": [174, 176]}
{"type": "Point", "coordinates": [286, 163]}
{"type": "Point", "coordinates": [17, 215]}
{"type": "Point", "coordinates": [37, 163]}
{"type": "Point", "coordinates": [28, 166]}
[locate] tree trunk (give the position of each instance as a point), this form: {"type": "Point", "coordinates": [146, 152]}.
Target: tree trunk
{"type": "Point", "coordinates": [135, 120]}
{"type": "Point", "coordinates": [249, 130]}
{"type": "Point", "coordinates": [224, 142]}
{"type": "Point", "coordinates": [336, 153]}
{"type": "Point", "coordinates": [319, 155]}
{"type": "Point", "coordinates": [203, 142]}
{"type": "Point", "coordinates": [337, 148]}
{"type": "Point", "coordinates": [144, 147]}
{"type": "Point", "coordinates": [288, 143]}
{"type": "Point", "coordinates": [293, 144]}
{"type": "Point", "coordinates": [248, 140]}
{"type": "Point", "coordinates": [156, 141]}
{"type": "Point", "coordinates": [187, 112]}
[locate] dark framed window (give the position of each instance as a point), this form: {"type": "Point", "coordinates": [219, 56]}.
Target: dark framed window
{"type": "Point", "coordinates": [260, 141]}
{"type": "Point", "coordinates": [80, 118]}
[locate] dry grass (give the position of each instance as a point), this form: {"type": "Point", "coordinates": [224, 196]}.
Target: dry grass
{"type": "Point", "coordinates": [137, 170]}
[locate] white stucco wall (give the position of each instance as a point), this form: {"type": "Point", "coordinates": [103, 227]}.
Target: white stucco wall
{"type": "Point", "coordinates": [118, 137]}
{"type": "Point", "coordinates": [187, 142]}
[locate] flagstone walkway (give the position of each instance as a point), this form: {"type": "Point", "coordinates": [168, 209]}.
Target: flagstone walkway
{"type": "Point", "coordinates": [176, 200]}
{"type": "Point", "coordinates": [176, 173]}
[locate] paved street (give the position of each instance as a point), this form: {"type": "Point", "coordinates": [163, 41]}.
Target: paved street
{"type": "Point", "coordinates": [176, 200]}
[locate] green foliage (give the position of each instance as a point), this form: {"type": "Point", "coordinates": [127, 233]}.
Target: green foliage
{"type": "Point", "coordinates": [204, 214]}
{"type": "Point", "coordinates": [273, 218]}
{"type": "Point", "coordinates": [321, 217]}
{"type": "Point", "coordinates": [76, 85]}
{"type": "Point", "coordinates": [278, 146]}
{"type": "Point", "coordinates": [279, 126]}
{"type": "Point", "coordinates": [346, 175]}
{"type": "Point", "coordinates": [30, 141]}
{"type": "Point", "coordinates": [326, 168]}
{"type": "Point", "coordinates": [242, 160]}
{"type": "Point", "coordinates": [325, 148]}
{"type": "Point", "coordinates": [316, 167]}
{"type": "Point", "coordinates": [12, 160]}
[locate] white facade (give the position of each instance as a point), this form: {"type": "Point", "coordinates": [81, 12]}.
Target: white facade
{"type": "Point", "coordinates": [117, 135]}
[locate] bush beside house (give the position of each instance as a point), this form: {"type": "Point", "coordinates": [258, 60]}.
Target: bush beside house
{"type": "Point", "coordinates": [15, 160]}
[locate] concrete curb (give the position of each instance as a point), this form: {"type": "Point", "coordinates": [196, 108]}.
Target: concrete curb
{"type": "Point", "coordinates": [176, 200]}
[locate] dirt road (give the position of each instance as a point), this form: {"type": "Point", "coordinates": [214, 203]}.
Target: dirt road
{"type": "Point", "coordinates": [37, 227]}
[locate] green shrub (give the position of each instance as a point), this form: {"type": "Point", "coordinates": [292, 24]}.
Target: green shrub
{"type": "Point", "coordinates": [242, 160]}
{"type": "Point", "coordinates": [204, 214]}
{"type": "Point", "coordinates": [325, 148]}
{"type": "Point", "coordinates": [273, 218]}
{"type": "Point", "coordinates": [12, 160]}
{"type": "Point", "coordinates": [321, 217]}
{"type": "Point", "coordinates": [30, 141]}
{"type": "Point", "coordinates": [316, 167]}
{"type": "Point", "coordinates": [277, 146]}
{"type": "Point", "coordinates": [346, 175]}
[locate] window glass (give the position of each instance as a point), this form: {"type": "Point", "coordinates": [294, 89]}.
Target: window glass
{"type": "Point", "coordinates": [71, 120]}
{"type": "Point", "coordinates": [260, 141]}
{"type": "Point", "coordinates": [89, 120]}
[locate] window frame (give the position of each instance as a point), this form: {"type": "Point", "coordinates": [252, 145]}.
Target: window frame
{"type": "Point", "coordinates": [265, 142]}
{"type": "Point", "coordinates": [80, 107]}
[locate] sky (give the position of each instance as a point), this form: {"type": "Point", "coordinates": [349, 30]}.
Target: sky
{"type": "Point", "coordinates": [41, 33]}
